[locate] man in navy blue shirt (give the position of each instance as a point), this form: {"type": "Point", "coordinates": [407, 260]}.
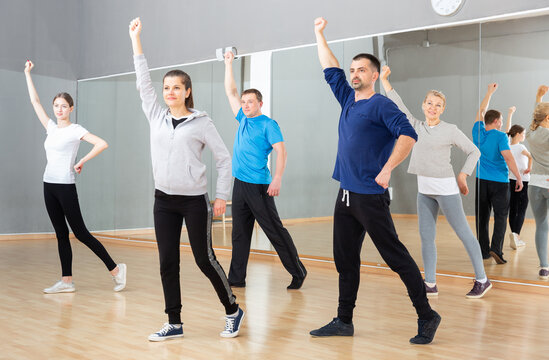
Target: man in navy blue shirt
{"type": "Point", "coordinates": [367, 153]}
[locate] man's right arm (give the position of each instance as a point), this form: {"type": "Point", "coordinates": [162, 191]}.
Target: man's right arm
{"type": "Point", "coordinates": [325, 55]}
{"type": "Point", "coordinates": [230, 84]}
{"type": "Point", "coordinates": [486, 101]}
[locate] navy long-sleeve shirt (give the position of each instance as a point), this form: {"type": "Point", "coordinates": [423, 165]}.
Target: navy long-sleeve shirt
{"type": "Point", "coordinates": [367, 131]}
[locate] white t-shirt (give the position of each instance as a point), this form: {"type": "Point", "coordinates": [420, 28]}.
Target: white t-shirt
{"type": "Point", "coordinates": [61, 147]}
{"type": "Point", "coordinates": [437, 186]}
{"type": "Point", "coordinates": [521, 160]}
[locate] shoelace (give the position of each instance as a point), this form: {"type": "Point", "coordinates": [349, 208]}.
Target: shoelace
{"type": "Point", "coordinates": [229, 323]}
{"type": "Point", "coordinates": [165, 329]}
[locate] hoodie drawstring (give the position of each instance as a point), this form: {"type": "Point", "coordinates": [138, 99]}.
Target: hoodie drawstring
{"type": "Point", "coordinates": [345, 194]}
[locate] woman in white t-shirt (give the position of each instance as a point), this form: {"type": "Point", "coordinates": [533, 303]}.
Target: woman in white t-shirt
{"type": "Point", "coordinates": [519, 199]}
{"type": "Point", "coordinates": [60, 195]}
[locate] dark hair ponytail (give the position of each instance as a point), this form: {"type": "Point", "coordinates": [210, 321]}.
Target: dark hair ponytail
{"type": "Point", "coordinates": [515, 130]}
{"type": "Point", "coordinates": [64, 95]}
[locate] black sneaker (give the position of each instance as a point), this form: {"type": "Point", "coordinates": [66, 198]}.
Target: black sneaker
{"type": "Point", "coordinates": [426, 330]}
{"type": "Point", "coordinates": [499, 258]}
{"type": "Point", "coordinates": [335, 328]}
{"type": "Point", "coordinates": [296, 283]}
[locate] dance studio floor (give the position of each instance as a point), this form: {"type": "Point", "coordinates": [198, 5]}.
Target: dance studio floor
{"type": "Point", "coordinates": [96, 323]}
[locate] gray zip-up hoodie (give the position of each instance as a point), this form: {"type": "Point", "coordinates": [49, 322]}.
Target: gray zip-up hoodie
{"type": "Point", "coordinates": [176, 153]}
{"type": "Point", "coordinates": [431, 155]}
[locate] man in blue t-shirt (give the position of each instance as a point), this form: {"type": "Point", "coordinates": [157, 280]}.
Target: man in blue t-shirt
{"type": "Point", "coordinates": [492, 185]}
{"type": "Point", "coordinates": [254, 189]}
{"type": "Point", "coordinates": [374, 137]}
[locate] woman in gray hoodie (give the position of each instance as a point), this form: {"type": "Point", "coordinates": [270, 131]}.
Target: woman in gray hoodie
{"type": "Point", "coordinates": [538, 190]}
{"type": "Point", "coordinates": [179, 134]}
{"type": "Point", "coordinates": [437, 186]}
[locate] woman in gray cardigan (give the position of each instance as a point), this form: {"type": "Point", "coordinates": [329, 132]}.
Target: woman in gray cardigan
{"type": "Point", "coordinates": [179, 134]}
{"type": "Point", "coordinates": [437, 185]}
{"type": "Point", "coordinates": [538, 190]}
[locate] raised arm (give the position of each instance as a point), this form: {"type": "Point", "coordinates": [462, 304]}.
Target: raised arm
{"type": "Point", "coordinates": [230, 84]}
{"type": "Point", "coordinates": [325, 55]}
{"type": "Point", "coordinates": [486, 101]}
{"type": "Point", "coordinates": [135, 34]}
{"type": "Point", "coordinates": [510, 113]}
{"type": "Point", "coordinates": [152, 109]}
{"type": "Point", "coordinates": [35, 100]}
{"type": "Point", "coordinates": [542, 90]}
{"type": "Point", "coordinates": [98, 146]}
{"type": "Point", "coordinates": [281, 157]}
{"type": "Point", "coordinates": [393, 95]}
{"type": "Point", "coordinates": [403, 146]}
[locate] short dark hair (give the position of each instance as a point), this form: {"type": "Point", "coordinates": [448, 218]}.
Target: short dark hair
{"type": "Point", "coordinates": [373, 60]}
{"type": "Point", "coordinates": [186, 80]}
{"type": "Point", "coordinates": [254, 91]}
{"type": "Point", "coordinates": [515, 130]}
{"type": "Point", "coordinates": [66, 96]}
{"type": "Point", "coordinates": [491, 116]}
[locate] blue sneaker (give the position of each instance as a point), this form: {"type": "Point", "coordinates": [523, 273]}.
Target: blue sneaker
{"type": "Point", "coordinates": [232, 324]}
{"type": "Point", "coordinates": [168, 331]}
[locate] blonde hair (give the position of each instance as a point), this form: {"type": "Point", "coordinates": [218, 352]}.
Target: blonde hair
{"type": "Point", "coordinates": [540, 113]}
{"type": "Point", "coordinates": [437, 94]}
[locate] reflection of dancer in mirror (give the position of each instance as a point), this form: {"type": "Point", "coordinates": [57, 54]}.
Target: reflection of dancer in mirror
{"type": "Point", "coordinates": [179, 134]}
{"type": "Point", "coordinates": [518, 202]}
{"type": "Point", "coordinates": [374, 137]}
{"type": "Point", "coordinates": [437, 185]}
{"type": "Point", "coordinates": [538, 141]}
{"type": "Point", "coordinates": [60, 193]}
{"type": "Point", "coordinates": [492, 182]}
{"type": "Point", "coordinates": [254, 190]}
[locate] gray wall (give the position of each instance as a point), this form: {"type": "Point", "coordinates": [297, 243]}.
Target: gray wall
{"type": "Point", "coordinates": [177, 32]}
{"type": "Point", "coordinates": [37, 30]}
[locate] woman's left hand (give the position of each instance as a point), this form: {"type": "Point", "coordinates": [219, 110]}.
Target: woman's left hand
{"type": "Point", "coordinates": [462, 183]}
{"type": "Point", "coordinates": [219, 207]}
{"type": "Point", "coordinates": [78, 167]}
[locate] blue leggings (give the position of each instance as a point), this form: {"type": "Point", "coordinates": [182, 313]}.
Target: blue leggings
{"type": "Point", "coordinates": [452, 208]}
{"type": "Point", "coordinates": [539, 201]}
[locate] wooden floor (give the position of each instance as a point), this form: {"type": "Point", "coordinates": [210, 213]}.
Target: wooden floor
{"type": "Point", "coordinates": [313, 238]}
{"type": "Point", "coordinates": [96, 323]}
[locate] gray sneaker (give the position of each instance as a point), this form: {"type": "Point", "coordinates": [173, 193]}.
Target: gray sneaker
{"type": "Point", "coordinates": [60, 287]}
{"type": "Point", "coordinates": [335, 328]}
{"type": "Point", "coordinates": [120, 278]}
{"type": "Point", "coordinates": [431, 291]}
{"type": "Point", "coordinates": [479, 290]}
{"type": "Point", "coordinates": [543, 274]}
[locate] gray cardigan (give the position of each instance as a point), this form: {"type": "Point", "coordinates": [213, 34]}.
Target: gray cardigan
{"type": "Point", "coordinates": [431, 154]}
{"type": "Point", "coordinates": [176, 153]}
{"type": "Point", "coordinates": [538, 141]}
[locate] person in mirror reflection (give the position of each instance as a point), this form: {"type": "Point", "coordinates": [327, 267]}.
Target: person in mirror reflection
{"type": "Point", "coordinates": [537, 137]}
{"type": "Point", "coordinates": [62, 142]}
{"type": "Point", "coordinates": [437, 185]}
{"type": "Point", "coordinates": [492, 182]}
{"type": "Point", "coordinates": [178, 135]}
{"type": "Point", "coordinates": [374, 138]}
{"type": "Point", "coordinates": [518, 201]}
{"type": "Point", "coordinates": [254, 188]}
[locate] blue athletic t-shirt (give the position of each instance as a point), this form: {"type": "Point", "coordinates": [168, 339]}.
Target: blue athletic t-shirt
{"type": "Point", "coordinates": [367, 131]}
{"type": "Point", "coordinates": [491, 165]}
{"type": "Point", "coordinates": [252, 146]}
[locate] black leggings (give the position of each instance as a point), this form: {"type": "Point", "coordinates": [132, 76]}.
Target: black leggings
{"type": "Point", "coordinates": [517, 206]}
{"type": "Point", "coordinates": [62, 202]}
{"type": "Point", "coordinates": [169, 212]}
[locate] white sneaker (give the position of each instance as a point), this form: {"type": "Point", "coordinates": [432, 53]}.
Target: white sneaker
{"type": "Point", "coordinates": [513, 240]}
{"type": "Point", "coordinates": [120, 278]}
{"type": "Point", "coordinates": [519, 241]}
{"type": "Point", "coordinates": [60, 287]}
{"type": "Point", "coordinates": [168, 331]}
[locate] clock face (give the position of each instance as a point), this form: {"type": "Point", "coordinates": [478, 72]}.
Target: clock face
{"type": "Point", "coordinates": [447, 7]}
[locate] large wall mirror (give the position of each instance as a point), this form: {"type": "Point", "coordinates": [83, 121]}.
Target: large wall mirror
{"type": "Point", "coordinates": [460, 61]}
